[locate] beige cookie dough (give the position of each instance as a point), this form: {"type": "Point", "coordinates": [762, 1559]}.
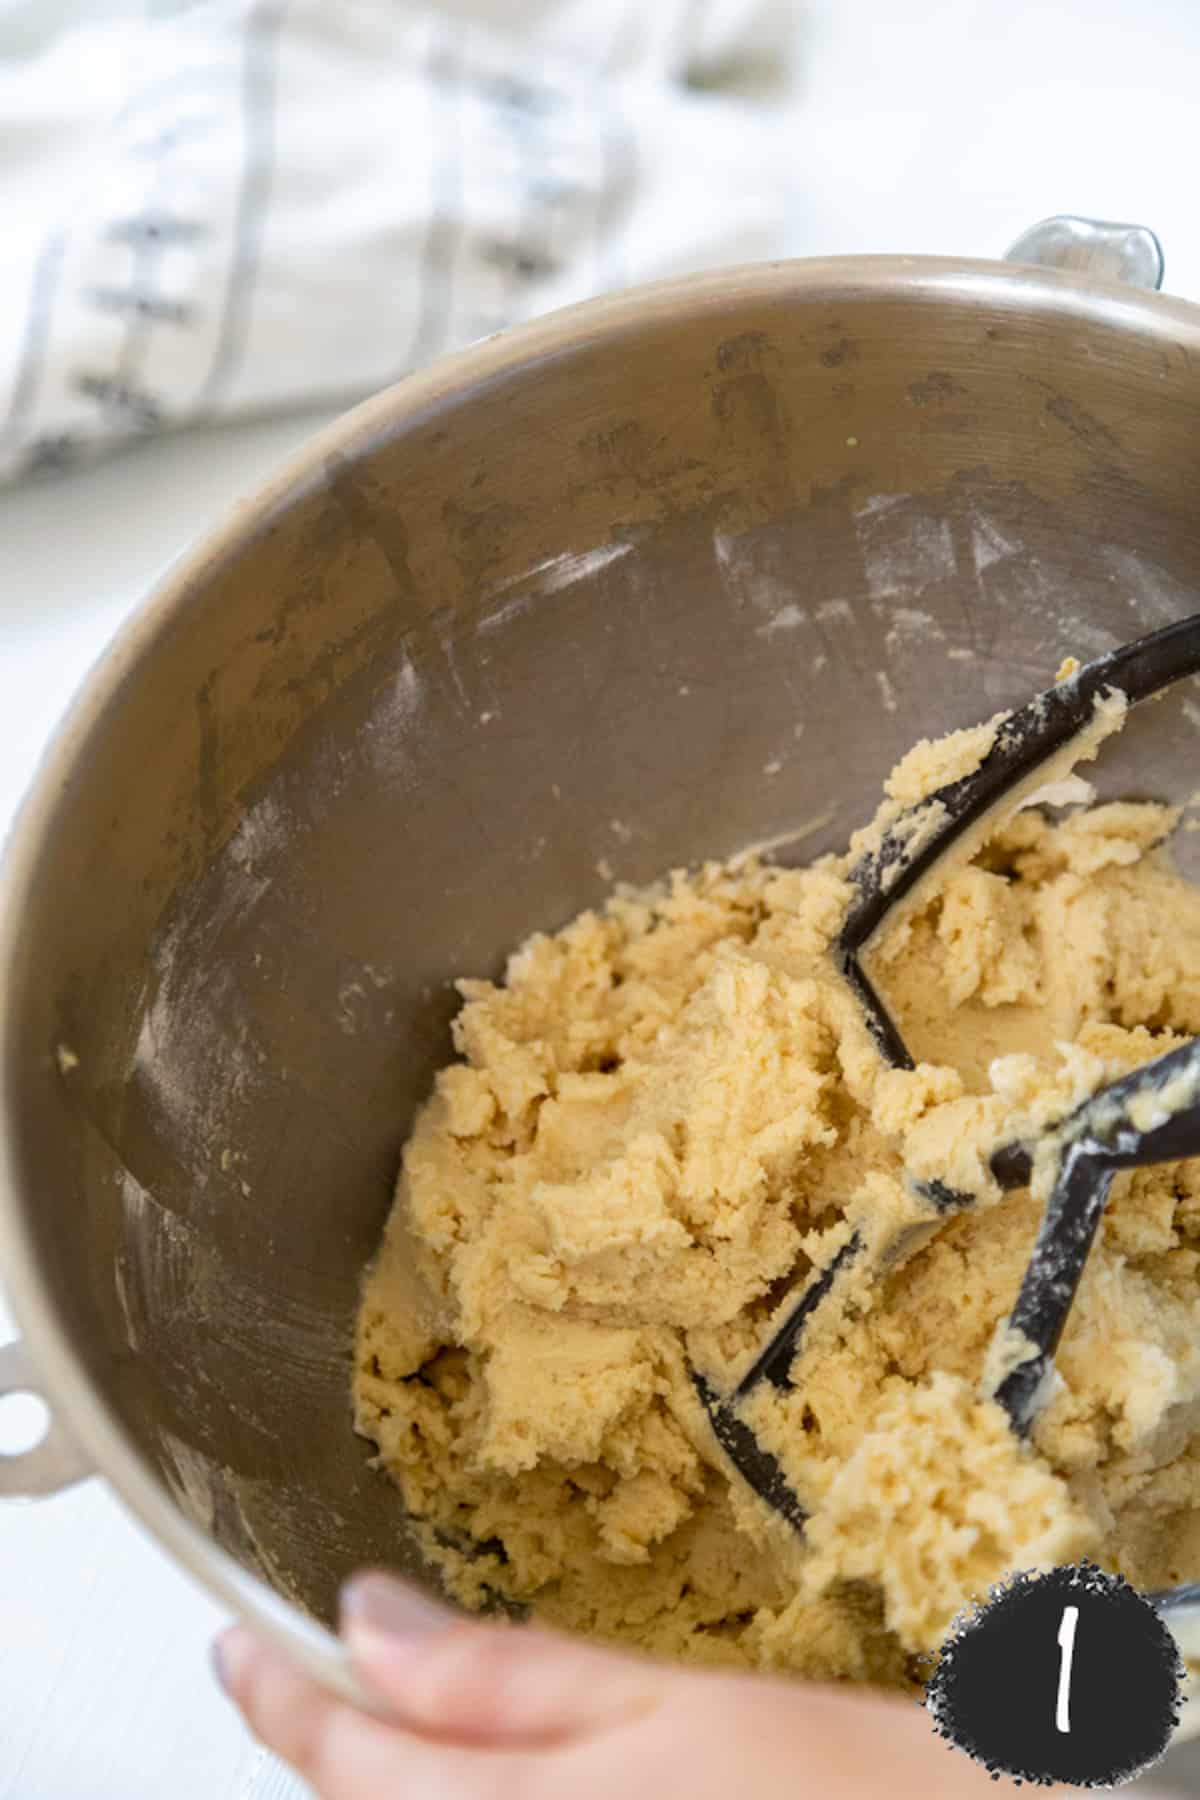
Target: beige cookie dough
{"type": "Point", "coordinates": [665, 1116]}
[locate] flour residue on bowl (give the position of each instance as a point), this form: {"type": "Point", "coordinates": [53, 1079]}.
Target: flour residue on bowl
{"type": "Point", "coordinates": [549, 577]}
{"type": "Point", "coordinates": [394, 716]}
{"type": "Point", "coordinates": [905, 547]}
{"type": "Point", "coordinates": [988, 543]}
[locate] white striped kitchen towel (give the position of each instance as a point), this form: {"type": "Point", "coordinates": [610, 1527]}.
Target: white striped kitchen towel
{"type": "Point", "coordinates": [223, 207]}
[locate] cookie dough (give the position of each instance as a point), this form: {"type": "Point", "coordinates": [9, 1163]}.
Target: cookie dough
{"type": "Point", "coordinates": [665, 1115]}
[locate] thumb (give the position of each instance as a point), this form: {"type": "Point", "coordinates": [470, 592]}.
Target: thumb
{"type": "Point", "coordinates": [486, 1682]}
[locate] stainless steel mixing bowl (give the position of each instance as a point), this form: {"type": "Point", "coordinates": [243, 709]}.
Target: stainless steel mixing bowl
{"type": "Point", "coordinates": [649, 580]}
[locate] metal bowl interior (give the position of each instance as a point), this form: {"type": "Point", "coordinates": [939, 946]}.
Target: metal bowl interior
{"type": "Point", "coordinates": [648, 582]}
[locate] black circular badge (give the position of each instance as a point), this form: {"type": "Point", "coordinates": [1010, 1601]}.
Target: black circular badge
{"type": "Point", "coordinates": [1068, 1676]}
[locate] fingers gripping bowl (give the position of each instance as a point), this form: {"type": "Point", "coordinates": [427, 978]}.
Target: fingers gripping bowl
{"type": "Point", "coordinates": [641, 584]}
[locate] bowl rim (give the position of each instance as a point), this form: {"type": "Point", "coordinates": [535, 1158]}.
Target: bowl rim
{"type": "Point", "coordinates": [75, 1401]}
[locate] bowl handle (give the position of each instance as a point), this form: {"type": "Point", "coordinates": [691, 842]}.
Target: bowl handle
{"type": "Point", "coordinates": [1099, 248]}
{"type": "Point", "coordinates": [53, 1463]}
{"type": "Point", "coordinates": [56, 1462]}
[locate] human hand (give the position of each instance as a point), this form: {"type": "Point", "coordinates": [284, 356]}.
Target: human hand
{"type": "Point", "coordinates": [484, 1711]}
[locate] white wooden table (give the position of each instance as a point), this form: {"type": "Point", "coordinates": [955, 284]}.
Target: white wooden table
{"type": "Point", "coordinates": [104, 1686]}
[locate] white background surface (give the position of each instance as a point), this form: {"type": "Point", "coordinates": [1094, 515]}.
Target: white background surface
{"type": "Point", "coordinates": [922, 125]}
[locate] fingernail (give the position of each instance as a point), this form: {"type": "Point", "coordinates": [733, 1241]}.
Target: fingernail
{"type": "Point", "coordinates": [392, 1608]}
{"type": "Point", "coordinates": [228, 1655]}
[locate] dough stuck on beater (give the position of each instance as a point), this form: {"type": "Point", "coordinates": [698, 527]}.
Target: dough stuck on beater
{"type": "Point", "coordinates": [657, 1118]}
